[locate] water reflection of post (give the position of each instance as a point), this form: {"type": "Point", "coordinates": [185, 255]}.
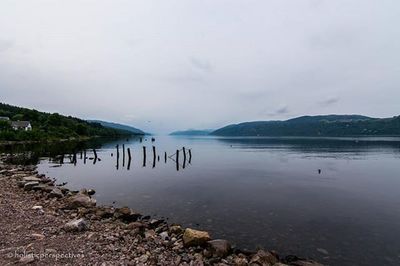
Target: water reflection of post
{"type": "Point", "coordinates": [144, 156]}
{"type": "Point", "coordinates": [123, 155]}
{"type": "Point", "coordinates": [177, 160]}
{"type": "Point", "coordinates": [129, 159]}
{"type": "Point", "coordinates": [184, 157]}
{"type": "Point", "coordinates": [74, 158]}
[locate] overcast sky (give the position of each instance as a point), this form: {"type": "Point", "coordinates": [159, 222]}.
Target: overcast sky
{"type": "Point", "coordinates": [167, 65]}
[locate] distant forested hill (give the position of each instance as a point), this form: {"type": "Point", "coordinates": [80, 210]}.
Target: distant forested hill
{"type": "Point", "coordinates": [46, 126]}
{"type": "Point", "coordinates": [328, 125]}
{"type": "Point", "coordinates": [192, 132]}
{"type": "Point", "coordinates": [134, 130]}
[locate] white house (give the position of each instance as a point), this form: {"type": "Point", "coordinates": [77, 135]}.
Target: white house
{"type": "Point", "coordinates": [4, 118]}
{"type": "Point", "coordinates": [23, 125]}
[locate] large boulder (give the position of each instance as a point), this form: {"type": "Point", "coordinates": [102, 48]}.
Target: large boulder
{"type": "Point", "coordinates": [80, 200]}
{"type": "Point", "coordinates": [220, 247]}
{"type": "Point", "coordinates": [126, 214]}
{"type": "Point", "coordinates": [193, 237]}
{"type": "Point", "coordinates": [77, 225]}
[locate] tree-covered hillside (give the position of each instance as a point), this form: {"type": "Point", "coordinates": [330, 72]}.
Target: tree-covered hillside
{"type": "Point", "coordinates": [46, 126]}
{"type": "Point", "coordinates": [314, 126]}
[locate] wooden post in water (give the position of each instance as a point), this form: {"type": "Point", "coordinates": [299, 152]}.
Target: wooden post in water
{"type": "Point", "coordinates": [95, 156]}
{"type": "Point", "coordinates": [144, 156]}
{"type": "Point", "coordinates": [117, 166]}
{"type": "Point", "coordinates": [123, 155]}
{"type": "Point", "coordinates": [165, 157]}
{"type": "Point", "coordinates": [158, 158]}
{"type": "Point", "coordinates": [190, 155]}
{"type": "Point", "coordinates": [80, 155]}
{"type": "Point", "coordinates": [129, 158]}
{"type": "Point", "coordinates": [84, 157]}
{"type": "Point", "coordinates": [177, 160]}
{"type": "Point", "coordinates": [62, 159]}
{"type": "Point", "coordinates": [154, 156]}
{"type": "Point", "coordinates": [184, 157]}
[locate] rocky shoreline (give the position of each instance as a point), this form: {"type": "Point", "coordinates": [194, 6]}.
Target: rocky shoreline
{"type": "Point", "coordinates": [47, 224]}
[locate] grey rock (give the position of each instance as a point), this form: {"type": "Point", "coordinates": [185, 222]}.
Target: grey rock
{"type": "Point", "coordinates": [31, 179]}
{"type": "Point", "coordinates": [77, 225]}
{"type": "Point", "coordinates": [56, 193]}
{"type": "Point", "coordinates": [30, 185]}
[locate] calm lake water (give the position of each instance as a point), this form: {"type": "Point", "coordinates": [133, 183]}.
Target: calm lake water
{"type": "Point", "coordinates": [260, 192]}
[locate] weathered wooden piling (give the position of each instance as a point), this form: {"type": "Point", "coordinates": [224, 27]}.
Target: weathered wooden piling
{"type": "Point", "coordinates": [165, 157]}
{"type": "Point", "coordinates": [144, 156]}
{"type": "Point", "coordinates": [123, 155]}
{"type": "Point", "coordinates": [177, 160]}
{"type": "Point", "coordinates": [129, 158]}
{"type": "Point", "coordinates": [190, 155]}
{"type": "Point", "coordinates": [184, 156]}
{"type": "Point", "coordinates": [129, 154]}
{"type": "Point", "coordinates": [84, 157]}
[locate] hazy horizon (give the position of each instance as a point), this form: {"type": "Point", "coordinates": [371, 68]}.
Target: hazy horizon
{"type": "Point", "coordinates": [177, 65]}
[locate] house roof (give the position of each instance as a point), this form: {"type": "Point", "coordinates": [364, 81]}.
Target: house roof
{"type": "Point", "coordinates": [20, 123]}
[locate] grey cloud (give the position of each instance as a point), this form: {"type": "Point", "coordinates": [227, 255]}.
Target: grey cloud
{"type": "Point", "coordinates": [143, 63]}
{"type": "Point", "coordinates": [329, 101]}
{"type": "Point", "coordinates": [5, 45]}
{"type": "Point", "coordinates": [201, 64]}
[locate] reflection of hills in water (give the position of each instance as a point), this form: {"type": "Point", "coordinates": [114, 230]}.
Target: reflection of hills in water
{"type": "Point", "coordinates": [316, 145]}
{"type": "Point", "coordinates": [86, 151]}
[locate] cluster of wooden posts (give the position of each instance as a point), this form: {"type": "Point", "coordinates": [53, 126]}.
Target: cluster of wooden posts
{"type": "Point", "coordinates": [187, 157]}
{"type": "Point", "coordinates": [127, 157]}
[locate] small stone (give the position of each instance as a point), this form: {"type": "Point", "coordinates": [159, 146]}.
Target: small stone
{"type": "Point", "coordinates": [91, 192]}
{"type": "Point", "coordinates": [27, 259]}
{"type": "Point", "coordinates": [143, 258]}
{"type": "Point", "coordinates": [37, 207]}
{"type": "Point", "coordinates": [77, 225]}
{"type": "Point", "coordinates": [175, 229]}
{"type": "Point", "coordinates": [164, 236]}
{"type": "Point", "coordinates": [193, 237]}
{"type": "Point", "coordinates": [38, 236]}
{"type": "Point", "coordinates": [220, 247]}
{"type": "Point", "coordinates": [323, 251]}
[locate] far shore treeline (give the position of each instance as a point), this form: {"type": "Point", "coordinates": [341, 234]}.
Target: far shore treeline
{"type": "Point", "coordinates": [46, 126]}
